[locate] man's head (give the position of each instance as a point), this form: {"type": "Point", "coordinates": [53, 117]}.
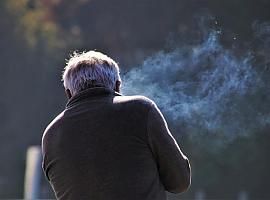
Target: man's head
{"type": "Point", "coordinates": [90, 69]}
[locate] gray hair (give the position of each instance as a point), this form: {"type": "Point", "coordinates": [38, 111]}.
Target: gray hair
{"type": "Point", "coordinates": [90, 68]}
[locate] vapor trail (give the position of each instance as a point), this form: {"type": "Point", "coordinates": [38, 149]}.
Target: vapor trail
{"type": "Point", "coordinates": [204, 86]}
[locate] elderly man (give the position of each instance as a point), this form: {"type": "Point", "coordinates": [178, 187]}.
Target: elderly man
{"type": "Point", "coordinates": [108, 146]}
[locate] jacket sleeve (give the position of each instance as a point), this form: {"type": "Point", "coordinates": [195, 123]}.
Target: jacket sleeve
{"type": "Point", "coordinates": [173, 165]}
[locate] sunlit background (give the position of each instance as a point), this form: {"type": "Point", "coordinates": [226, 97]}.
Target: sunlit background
{"type": "Point", "coordinates": [206, 63]}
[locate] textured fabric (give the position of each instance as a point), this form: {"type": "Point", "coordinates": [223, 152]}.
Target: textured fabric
{"type": "Point", "coordinates": [111, 147]}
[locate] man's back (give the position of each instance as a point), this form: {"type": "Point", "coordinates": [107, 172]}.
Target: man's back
{"type": "Point", "coordinates": [107, 146]}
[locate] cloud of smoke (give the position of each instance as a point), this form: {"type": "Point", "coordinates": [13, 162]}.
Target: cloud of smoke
{"type": "Point", "coordinates": [204, 87]}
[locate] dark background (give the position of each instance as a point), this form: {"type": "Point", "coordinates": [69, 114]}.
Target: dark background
{"type": "Point", "coordinates": [38, 35]}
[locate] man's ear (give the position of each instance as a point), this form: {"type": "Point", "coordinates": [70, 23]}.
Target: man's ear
{"type": "Point", "coordinates": [117, 86]}
{"type": "Point", "coordinates": [68, 93]}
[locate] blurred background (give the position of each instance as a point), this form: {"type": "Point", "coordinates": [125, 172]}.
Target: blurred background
{"type": "Point", "coordinates": [206, 63]}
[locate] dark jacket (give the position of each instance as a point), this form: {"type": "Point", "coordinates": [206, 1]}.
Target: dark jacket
{"type": "Point", "coordinates": [105, 146]}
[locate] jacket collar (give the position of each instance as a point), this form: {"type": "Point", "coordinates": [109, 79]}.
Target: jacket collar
{"type": "Point", "coordinates": [91, 92]}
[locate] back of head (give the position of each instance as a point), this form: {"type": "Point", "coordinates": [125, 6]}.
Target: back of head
{"type": "Point", "coordinates": [90, 69]}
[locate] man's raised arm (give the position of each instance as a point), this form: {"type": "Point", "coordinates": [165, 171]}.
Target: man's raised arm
{"type": "Point", "coordinates": [173, 165]}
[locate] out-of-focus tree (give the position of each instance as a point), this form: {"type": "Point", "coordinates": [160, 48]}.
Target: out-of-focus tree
{"type": "Point", "coordinates": [35, 24]}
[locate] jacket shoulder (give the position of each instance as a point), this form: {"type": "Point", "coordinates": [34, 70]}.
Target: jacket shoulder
{"type": "Point", "coordinates": [52, 127]}
{"type": "Point", "coordinates": [135, 99]}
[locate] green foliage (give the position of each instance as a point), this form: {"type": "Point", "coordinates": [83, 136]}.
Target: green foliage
{"type": "Point", "coordinates": [34, 21]}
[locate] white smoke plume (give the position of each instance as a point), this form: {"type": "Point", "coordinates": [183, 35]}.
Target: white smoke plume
{"type": "Point", "coordinates": [204, 87]}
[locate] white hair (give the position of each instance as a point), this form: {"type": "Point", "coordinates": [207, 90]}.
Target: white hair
{"type": "Point", "coordinates": [89, 69]}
